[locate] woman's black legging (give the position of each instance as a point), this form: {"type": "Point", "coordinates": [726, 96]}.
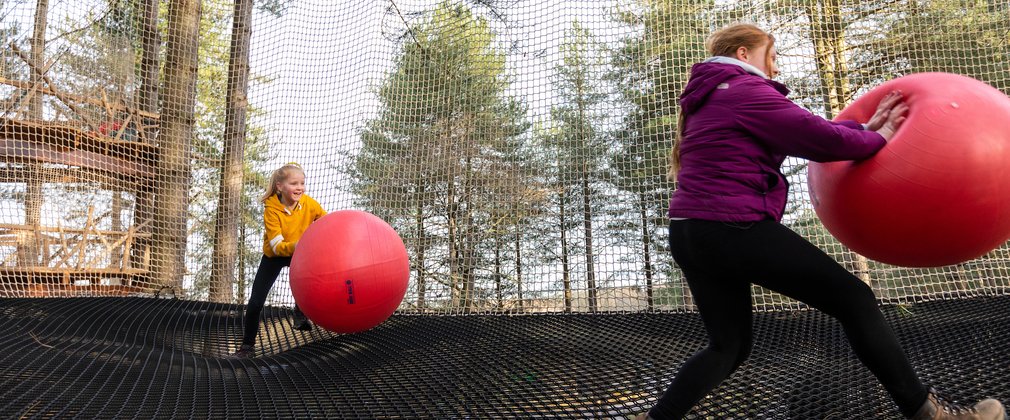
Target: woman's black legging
{"type": "Point", "coordinates": [721, 260]}
{"type": "Point", "coordinates": [266, 275]}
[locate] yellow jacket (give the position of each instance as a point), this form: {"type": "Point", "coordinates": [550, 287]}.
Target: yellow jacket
{"type": "Point", "coordinates": [283, 228]}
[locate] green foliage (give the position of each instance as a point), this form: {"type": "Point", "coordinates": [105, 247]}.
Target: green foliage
{"type": "Point", "coordinates": [444, 155]}
{"type": "Point", "coordinates": [963, 37]}
{"type": "Point", "coordinates": [650, 68]}
{"type": "Point", "coordinates": [276, 8]}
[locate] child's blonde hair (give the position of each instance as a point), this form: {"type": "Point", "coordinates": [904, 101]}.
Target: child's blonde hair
{"type": "Point", "coordinates": [280, 175]}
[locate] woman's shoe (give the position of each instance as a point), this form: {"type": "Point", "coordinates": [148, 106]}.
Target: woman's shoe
{"type": "Point", "coordinates": [938, 408]}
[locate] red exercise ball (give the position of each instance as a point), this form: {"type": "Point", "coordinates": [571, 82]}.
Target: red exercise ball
{"type": "Point", "coordinates": [349, 271]}
{"type": "Point", "coordinates": [939, 192]}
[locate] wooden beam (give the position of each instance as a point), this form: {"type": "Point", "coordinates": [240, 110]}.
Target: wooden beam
{"type": "Point", "coordinates": [59, 229]}
{"type": "Point", "coordinates": [13, 150]}
{"type": "Point", "coordinates": [59, 95]}
{"type": "Point", "coordinates": [91, 101]}
{"type": "Point", "coordinates": [74, 175]}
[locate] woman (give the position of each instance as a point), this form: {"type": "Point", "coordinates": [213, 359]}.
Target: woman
{"type": "Point", "coordinates": [737, 127]}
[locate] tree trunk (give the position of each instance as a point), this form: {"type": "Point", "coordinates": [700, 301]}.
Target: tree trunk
{"type": "Point", "coordinates": [499, 293]}
{"type": "Point", "coordinates": [175, 140]}
{"type": "Point", "coordinates": [643, 214]}
{"type": "Point", "coordinates": [230, 194]}
{"type": "Point", "coordinates": [38, 57]}
{"type": "Point", "coordinates": [150, 42]}
{"type": "Point", "coordinates": [452, 234]}
{"type": "Point", "coordinates": [28, 249]}
{"type": "Point", "coordinates": [566, 276]}
{"type": "Point", "coordinates": [519, 269]}
{"type": "Point", "coordinates": [468, 260]}
{"type": "Point", "coordinates": [241, 275]}
{"type": "Point", "coordinates": [587, 215]}
{"type": "Point", "coordinates": [828, 37]}
{"type": "Point", "coordinates": [420, 247]}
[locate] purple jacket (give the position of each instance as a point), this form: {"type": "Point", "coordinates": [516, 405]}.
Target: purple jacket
{"type": "Point", "coordinates": [739, 128]}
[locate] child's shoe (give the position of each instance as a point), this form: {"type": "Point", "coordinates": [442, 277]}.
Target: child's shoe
{"type": "Point", "coordinates": [245, 351]}
{"type": "Point", "coordinates": [302, 323]}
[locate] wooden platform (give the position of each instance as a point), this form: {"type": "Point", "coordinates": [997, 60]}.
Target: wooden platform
{"type": "Point", "coordinates": [81, 151]}
{"type": "Point", "coordinates": [93, 138]}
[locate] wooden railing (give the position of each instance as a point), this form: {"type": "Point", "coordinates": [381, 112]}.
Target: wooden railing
{"type": "Point", "coordinates": [85, 256]}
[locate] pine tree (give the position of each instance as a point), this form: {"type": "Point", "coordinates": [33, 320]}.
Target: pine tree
{"type": "Point", "coordinates": [651, 70]}
{"type": "Point", "coordinates": [432, 162]}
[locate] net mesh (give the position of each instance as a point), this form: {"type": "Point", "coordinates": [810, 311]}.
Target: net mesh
{"type": "Point", "coordinates": [96, 358]}
{"type": "Point", "coordinates": [519, 148]}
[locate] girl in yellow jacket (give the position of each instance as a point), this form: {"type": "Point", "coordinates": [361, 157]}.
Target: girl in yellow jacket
{"type": "Point", "coordinates": [287, 213]}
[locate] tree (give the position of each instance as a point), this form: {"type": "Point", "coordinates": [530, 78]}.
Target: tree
{"type": "Point", "coordinates": [649, 67]}
{"type": "Point", "coordinates": [223, 192]}
{"type": "Point", "coordinates": [28, 250]}
{"type": "Point", "coordinates": [149, 71]}
{"type": "Point", "coordinates": [580, 151]}
{"type": "Point", "coordinates": [431, 162]}
{"type": "Point", "coordinates": [175, 140]}
{"type": "Point", "coordinates": [230, 194]}
{"type": "Point", "coordinates": [966, 38]}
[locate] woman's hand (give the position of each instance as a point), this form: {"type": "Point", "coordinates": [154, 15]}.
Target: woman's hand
{"type": "Point", "coordinates": [889, 115]}
{"type": "Point", "coordinates": [883, 110]}
{"type": "Point", "coordinates": [894, 120]}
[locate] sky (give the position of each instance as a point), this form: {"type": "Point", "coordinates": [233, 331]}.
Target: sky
{"type": "Point", "coordinates": [332, 56]}
{"type": "Point", "coordinates": [325, 60]}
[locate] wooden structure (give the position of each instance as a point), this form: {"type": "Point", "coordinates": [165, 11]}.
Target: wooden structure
{"type": "Point", "coordinates": [75, 148]}
{"type": "Point", "coordinates": [83, 259]}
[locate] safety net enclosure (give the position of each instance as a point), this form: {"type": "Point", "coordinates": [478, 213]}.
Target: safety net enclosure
{"type": "Point", "coordinates": [519, 148]}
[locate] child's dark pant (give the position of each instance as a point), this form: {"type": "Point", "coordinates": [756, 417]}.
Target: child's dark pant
{"type": "Point", "coordinates": [266, 275]}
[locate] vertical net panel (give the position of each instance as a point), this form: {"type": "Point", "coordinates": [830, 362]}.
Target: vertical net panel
{"type": "Point", "coordinates": [80, 139]}
{"type": "Point", "coordinates": [519, 148]}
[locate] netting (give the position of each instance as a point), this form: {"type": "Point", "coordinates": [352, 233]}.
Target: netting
{"type": "Point", "coordinates": [519, 148]}
{"type": "Point", "coordinates": [97, 358]}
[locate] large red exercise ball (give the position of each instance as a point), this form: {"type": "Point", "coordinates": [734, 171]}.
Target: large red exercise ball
{"type": "Point", "coordinates": [349, 271]}
{"type": "Point", "coordinates": [939, 192]}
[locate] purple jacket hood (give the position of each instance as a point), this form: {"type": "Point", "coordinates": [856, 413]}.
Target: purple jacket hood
{"type": "Point", "coordinates": [739, 128]}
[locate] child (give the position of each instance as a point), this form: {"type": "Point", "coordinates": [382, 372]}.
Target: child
{"type": "Point", "coordinates": [287, 212]}
{"type": "Point", "coordinates": [737, 127]}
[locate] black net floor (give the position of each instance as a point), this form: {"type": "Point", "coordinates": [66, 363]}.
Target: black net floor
{"type": "Point", "coordinates": [164, 358]}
